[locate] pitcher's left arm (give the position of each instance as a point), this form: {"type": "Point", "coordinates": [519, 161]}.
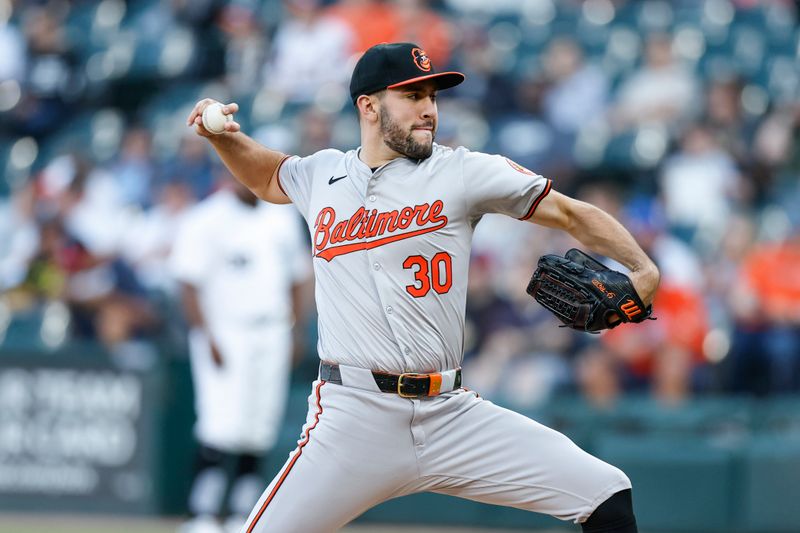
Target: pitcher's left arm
{"type": "Point", "coordinates": [601, 233]}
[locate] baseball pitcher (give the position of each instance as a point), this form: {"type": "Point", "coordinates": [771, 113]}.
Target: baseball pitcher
{"type": "Point", "coordinates": [391, 225]}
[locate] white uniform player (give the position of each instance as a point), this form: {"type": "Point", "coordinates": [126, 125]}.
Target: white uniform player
{"type": "Point", "coordinates": [238, 260]}
{"type": "Point", "coordinates": [391, 225]}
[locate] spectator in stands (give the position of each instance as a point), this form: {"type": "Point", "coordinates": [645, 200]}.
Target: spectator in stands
{"type": "Point", "coordinates": [488, 87]}
{"type": "Point", "coordinates": [678, 263]}
{"type": "Point", "coordinates": [12, 60]}
{"type": "Point", "coordinates": [194, 12]}
{"type": "Point", "coordinates": [574, 96]}
{"type": "Point", "coordinates": [664, 356]}
{"type": "Point", "coordinates": [785, 191]}
{"type": "Point", "coordinates": [44, 278]}
{"type": "Point", "coordinates": [765, 355]}
{"type": "Point", "coordinates": [198, 17]}
{"type": "Point", "coordinates": [80, 226]}
{"type": "Point", "coordinates": [421, 24]}
{"type": "Point", "coordinates": [598, 376]}
{"type": "Point", "coordinates": [700, 184]}
{"type": "Point", "coordinates": [76, 256]}
{"type": "Point", "coordinates": [370, 21]}
{"type": "Point", "coordinates": [662, 92]}
{"type": "Point", "coordinates": [722, 265]}
{"type": "Point", "coordinates": [245, 46]}
{"type": "Point", "coordinates": [50, 81]}
{"type": "Point", "coordinates": [316, 131]}
{"type": "Point", "coordinates": [192, 165]}
{"type": "Point", "coordinates": [576, 92]}
{"type": "Point", "coordinates": [775, 147]}
{"type": "Point", "coordinates": [19, 236]}
{"type": "Point", "coordinates": [87, 199]}
{"type": "Point", "coordinates": [512, 352]}
{"type": "Point", "coordinates": [133, 168]}
{"type": "Point", "coordinates": [311, 53]}
{"type": "Point", "coordinates": [147, 243]}
{"type": "Point", "coordinates": [487, 310]}
{"type": "Point", "coordinates": [521, 132]}
{"type": "Point", "coordinates": [105, 300]}
{"type": "Point", "coordinates": [726, 118]}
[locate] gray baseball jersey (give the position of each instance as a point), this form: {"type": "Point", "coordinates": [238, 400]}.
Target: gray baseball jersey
{"type": "Point", "coordinates": [391, 248]}
{"type": "Point", "coordinates": [391, 254]}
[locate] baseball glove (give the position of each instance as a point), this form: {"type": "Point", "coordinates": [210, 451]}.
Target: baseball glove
{"type": "Point", "coordinates": [585, 294]}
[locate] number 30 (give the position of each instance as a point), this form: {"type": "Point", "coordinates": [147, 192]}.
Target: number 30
{"type": "Point", "coordinates": [439, 275]}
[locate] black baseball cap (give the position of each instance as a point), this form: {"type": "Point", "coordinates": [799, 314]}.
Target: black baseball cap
{"type": "Point", "coordinates": [390, 65]}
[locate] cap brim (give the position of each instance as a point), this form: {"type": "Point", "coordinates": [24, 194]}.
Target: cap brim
{"type": "Point", "coordinates": [444, 80]}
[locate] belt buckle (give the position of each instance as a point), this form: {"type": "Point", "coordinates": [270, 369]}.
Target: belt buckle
{"type": "Point", "coordinates": [400, 379]}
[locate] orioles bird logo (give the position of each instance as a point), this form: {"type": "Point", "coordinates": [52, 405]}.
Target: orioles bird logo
{"type": "Point", "coordinates": [421, 59]}
{"type": "Point", "coordinates": [520, 168]}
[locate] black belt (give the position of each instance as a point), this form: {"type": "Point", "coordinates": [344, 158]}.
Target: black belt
{"type": "Point", "coordinates": [407, 385]}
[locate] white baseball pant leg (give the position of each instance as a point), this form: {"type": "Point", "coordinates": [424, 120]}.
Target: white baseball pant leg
{"type": "Point", "coordinates": [360, 448]}
{"type": "Point", "coordinates": [240, 405]}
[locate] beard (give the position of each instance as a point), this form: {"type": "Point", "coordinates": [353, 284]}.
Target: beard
{"type": "Point", "coordinates": [403, 142]}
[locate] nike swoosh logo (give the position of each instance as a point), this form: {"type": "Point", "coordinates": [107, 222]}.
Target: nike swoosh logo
{"type": "Point", "coordinates": [334, 180]}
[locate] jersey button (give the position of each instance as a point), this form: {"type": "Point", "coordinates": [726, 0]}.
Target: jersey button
{"type": "Point", "coordinates": [389, 309]}
{"type": "Point", "coordinates": [372, 198]}
{"type": "Point", "coordinates": [376, 266]}
{"type": "Point", "coordinates": [407, 350]}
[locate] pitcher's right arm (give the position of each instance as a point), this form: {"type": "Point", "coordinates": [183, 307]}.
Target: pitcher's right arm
{"type": "Point", "coordinates": [253, 164]}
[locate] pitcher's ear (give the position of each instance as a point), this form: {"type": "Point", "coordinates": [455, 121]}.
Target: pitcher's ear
{"type": "Point", "coordinates": [367, 105]}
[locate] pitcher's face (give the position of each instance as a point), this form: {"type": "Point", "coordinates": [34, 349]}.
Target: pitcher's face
{"type": "Point", "coordinates": [409, 118]}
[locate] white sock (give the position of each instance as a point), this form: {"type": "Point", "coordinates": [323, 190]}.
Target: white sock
{"type": "Point", "coordinates": [245, 493]}
{"type": "Point", "coordinates": [208, 492]}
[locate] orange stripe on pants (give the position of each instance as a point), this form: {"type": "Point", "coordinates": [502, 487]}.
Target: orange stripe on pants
{"type": "Point", "coordinates": [291, 463]}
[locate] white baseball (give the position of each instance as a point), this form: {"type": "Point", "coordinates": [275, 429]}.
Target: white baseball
{"type": "Point", "coordinates": [214, 119]}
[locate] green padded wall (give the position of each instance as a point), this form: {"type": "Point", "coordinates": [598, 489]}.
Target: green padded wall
{"type": "Point", "coordinates": [679, 483]}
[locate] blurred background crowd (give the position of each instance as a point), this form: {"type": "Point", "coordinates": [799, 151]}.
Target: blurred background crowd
{"type": "Point", "coordinates": [681, 118]}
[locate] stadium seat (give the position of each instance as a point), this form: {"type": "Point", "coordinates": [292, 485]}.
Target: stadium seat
{"type": "Point", "coordinates": [172, 96]}
{"type": "Point", "coordinates": [654, 15]}
{"type": "Point", "coordinates": [715, 65]}
{"type": "Point", "coordinates": [78, 26]}
{"type": "Point", "coordinates": [623, 52]}
{"type": "Point", "coordinates": [748, 47]}
{"type": "Point", "coordinates": [96, 133]}
{"type": "Point", "coordinates": [5, 149]}
{"type": "Point", "coordinates": [755, 16]}
{"type": "Point", "coordinates": [23, 331]}
{"type": "Point", "coordinates": [146, 58]}
{"type": "Point", "coordinates": [566, 21]}
{"type": "Point", "coordinates": [782, 78]}
{"type": "Point", "coordinates": [592, 37]}
{"type": "Point", "coordinates": [137, 10]}
{"type": "Point", "coordinates": [619, 151]}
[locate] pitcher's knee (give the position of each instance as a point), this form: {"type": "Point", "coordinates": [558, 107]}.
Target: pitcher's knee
{"type": "Point", "coordinates": [615, 515]}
